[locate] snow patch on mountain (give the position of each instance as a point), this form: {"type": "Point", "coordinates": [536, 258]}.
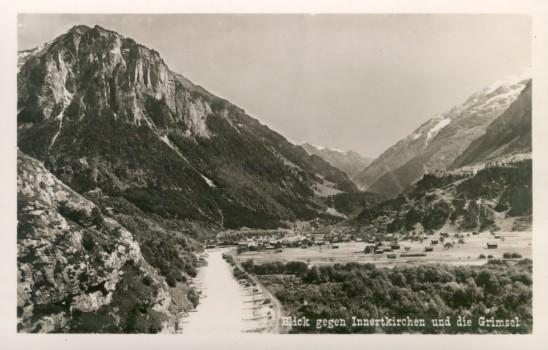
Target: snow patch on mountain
{"type": "Point", "coordinates": [511, 94]}
{"type": "Point", "coordinates": [509, 80]}
{"type": "Point", "coordinates": [208, 181]}
{"type": "Point", "coordinates": [415, 136]}
{"type": "Point", "coordinates": [166, 140]}
{"type": "Point", "coordinates": [225, 116]}
{"type": "Point", "coordinates": [322, 148]}
{"type": "Point", "coordinates": [441, 123]}
{"type": "Point", "coordinates": [66, 100]}
{"type": "Point", "coordinates": [54, 138]}
{"type": "Point", "coordinates": [319, 148]}
{"type": "Point", "coordinates": [24, 55]}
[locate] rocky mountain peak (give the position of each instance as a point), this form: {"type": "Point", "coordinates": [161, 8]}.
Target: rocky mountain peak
{"type": "Point", "coordinates": [80, 28]}
{"type": "Point", "coordinates": [100, 69]}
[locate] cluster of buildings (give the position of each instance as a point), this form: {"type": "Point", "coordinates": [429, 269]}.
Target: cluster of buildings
{"type": "Point", "coordinates": [288, 240]}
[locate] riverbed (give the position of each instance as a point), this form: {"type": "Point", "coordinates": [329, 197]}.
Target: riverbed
{"type": "Point", "coordinates": [225, 305]}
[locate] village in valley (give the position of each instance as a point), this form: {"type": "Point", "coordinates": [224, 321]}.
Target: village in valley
{"type": "Point", "coordinates": [333, 244]}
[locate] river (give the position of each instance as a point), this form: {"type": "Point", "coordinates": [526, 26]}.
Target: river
{"type": "Point", "coordinates": [225, 306]}
{"type": "Point", "coordinates": [221, 310]}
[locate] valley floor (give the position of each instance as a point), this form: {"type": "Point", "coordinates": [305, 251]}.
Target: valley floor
{"type": "Point", "coordinates": [461, 254]}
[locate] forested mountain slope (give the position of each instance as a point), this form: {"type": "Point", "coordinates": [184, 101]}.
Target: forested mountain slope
{"type": "Point", "coordinates": [496, 197]}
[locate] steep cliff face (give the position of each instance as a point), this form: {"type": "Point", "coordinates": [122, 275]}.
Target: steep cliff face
{"type": "Point", "coordinates": [79, 270]}
{"type": "Point", "coordinates": [104, 112]}
{"type": "Point", "coordinates": [99, 70]}
{"type": "Point", "coordinates": [437, 143]}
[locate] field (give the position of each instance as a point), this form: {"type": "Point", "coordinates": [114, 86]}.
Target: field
{"type": "Point", "coordinates": [461, 254]}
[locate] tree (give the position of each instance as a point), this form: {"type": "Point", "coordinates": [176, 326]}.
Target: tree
{"type": "Point", "coordinates": [193, 297]}
{"type": "Point", "coordinates": [87, 241]}
{"type": "Point", "coordinates": [96, 218]}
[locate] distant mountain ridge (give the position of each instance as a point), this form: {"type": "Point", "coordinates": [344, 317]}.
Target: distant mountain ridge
{"type": "Point", "coordinates": [103, 111]}
{"type": "Point", "coordinates": [436, 144]}
{"type": "Point", "coordinates": [349, 162]}
{"type": "Point", "coordinates": [508, 135]}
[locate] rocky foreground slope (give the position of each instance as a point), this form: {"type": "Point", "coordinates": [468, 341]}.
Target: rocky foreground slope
{"type": "Point", "coordinates": [79, 270]}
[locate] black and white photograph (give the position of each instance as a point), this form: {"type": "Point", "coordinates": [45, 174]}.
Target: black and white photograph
{"type": "Point", "coordinates": [207, 174]}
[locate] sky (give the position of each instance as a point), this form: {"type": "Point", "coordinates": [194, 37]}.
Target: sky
{"type": "Point", "coordinates": [353, 82]}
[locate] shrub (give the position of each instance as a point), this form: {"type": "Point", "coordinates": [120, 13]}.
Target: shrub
{"type": "Point", "coordinates": [436, 215]}
{"type": "Point", "coordinates": [58, 268]}
{"type": "Point", "coordinates": [171, 281]}
{"type": "Point", "coordinates": [96, 218]}
{"type": "Point", "coordinates": [147, 281]}
{"type": "Point", "coordinates": [193, 297]}
{"type": "Point", "coordinates": [482, 256]}
{"type": "Point", "coordinates": [87, 241]}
